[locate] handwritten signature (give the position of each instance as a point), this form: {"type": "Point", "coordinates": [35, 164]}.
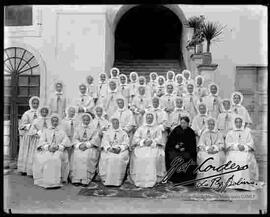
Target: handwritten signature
{"type": "Point", "coordinates": [179, 165]}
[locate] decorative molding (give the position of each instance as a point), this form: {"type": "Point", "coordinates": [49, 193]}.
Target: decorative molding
{"type": "Point", "coordinates": [211, 67]}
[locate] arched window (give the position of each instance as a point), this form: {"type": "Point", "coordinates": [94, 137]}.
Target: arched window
{"type": "Point", "coordinates": [21, 81]}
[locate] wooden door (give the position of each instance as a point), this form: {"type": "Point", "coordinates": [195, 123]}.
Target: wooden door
{"type": "Point", "coordinates": [21, 82]}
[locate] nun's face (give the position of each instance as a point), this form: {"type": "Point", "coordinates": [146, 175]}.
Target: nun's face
{"type": "Point", "coordinates": [141, 81]}
{"type": "Point", "coordinates": [99, 111]}
{"type": "Point", "coordinates": [123, 79]}
{"type": "Point", "coordinates": [90, 79]}
{"type": "Point", "coordinates": [184, 124]}
{"type": "Point", "coordinates": [170, 89]}
{"type": "Point", "coordinates": [199, 81]}
{"type": "Point", "coordinates": [102, 77]}
{"type": "Point", "coordinates": [153, 76]}
{"type": "Point", "coordinates": [155, 102]}
{"type": "Point", "coordinates": [141, 90]}
{"type": "Point", "coordinates": [114, 73]}
{"type": "Point", "coordinates": [186, 75]}
{"type": "Point", "coordinates": [202, 109]}
{"type": "Point", "coordinates": [149, 118]}
{"type": "Point", "coordinates": [80, 110]}
{"type": "Point", "coordinates": [115, 124]}
{"type": "Point", "coordinates": [179, 79]}
{"type": "Point", "coordinates": [86, 120]}
{"type": "Point", "coordinates": [35, 103]}
{"type": "Point", "coordinates": [226, 105]}
{"type": "Point", "coordinates": [179, 103]}
{"type": "Point", "coordinates": [238, 123]}
{"type": "Point", "coordinates": [58, 87]}
{"type": "Point", "coordinates": [236, 98]}
{"type": "Point", "coordinates": [160, 81]}
{"type": "Point", "coordinates": [133, 77]}
{"type": "Point", "coordinates": [112, 85]}
{"type": "Point", "coordinates": [82, 89]}
{"type": "Point", "coordinates": [54, 121]}
{"type": "Point", "coordinates": [190, 88]}
{"type": "Point", "coordinates": [44, 112]}
{"type": "Point", "coordinates": [120, 103]}
{"type": "Point", "coordinates": [211, 124]}
{"type": "Point", "coordinates": [213, 89]}
{"type": "Point", "coordinates": [170, 75]}
{"type": "Point", "coordinates": [71, 112]}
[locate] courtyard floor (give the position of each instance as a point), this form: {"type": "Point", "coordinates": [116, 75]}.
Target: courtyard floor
{"type": "Point", "coordinates": [21, 196]}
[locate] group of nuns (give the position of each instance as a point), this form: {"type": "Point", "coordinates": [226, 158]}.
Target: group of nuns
{"type": "Point", "coordinates": [127, 129]}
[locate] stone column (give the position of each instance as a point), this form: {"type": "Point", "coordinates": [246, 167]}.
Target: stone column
{"type": "Point", "coordinates": [208, 72]}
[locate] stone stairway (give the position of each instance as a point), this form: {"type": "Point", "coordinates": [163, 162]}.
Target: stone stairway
{"type": "Point", "coordinates": [145, 67]}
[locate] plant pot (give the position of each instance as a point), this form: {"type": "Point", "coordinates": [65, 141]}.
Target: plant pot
{"type": "Point", "coordinates": [207, 58]}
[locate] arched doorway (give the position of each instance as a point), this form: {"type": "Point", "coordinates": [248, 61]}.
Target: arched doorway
{"type": "Point", "coordinates": [21, 81]}
{"type": "Point", "coordinates": [149, 38]}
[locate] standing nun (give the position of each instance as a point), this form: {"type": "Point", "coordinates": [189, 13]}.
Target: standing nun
{"type": "Point", "coordinates": [28, 146]}
{"type": "Point", "coordinates": [111, 105]}
{"type": "Point", "coordinates": [114, 156]}
{"type": "Point", "coordinates": [140, 103]}
{"type": "Point", "coordinates": [200, 90]}
{"type": "Point", "coordinates": [102, 89]}
{"type": "Point", "coordinates": [191, 101]}
{"type": "Point", "coordinates": [153, 83]}
{"type": "Point", "coordinates": [180, 89]}
{"type": "Point", "coordinates": [239, 109]}
{"type": "Point", "coordinates": [86, 152]}
{"type": "Point", "coordinates": [52, 143]}
{"type": "Point", "coordinates": [91, 87]}
{"type": "Point", "coordinates": [178, 112]}
{"type": "Point", "coordinates": [133, 77]}
{"type": "Point", "coordinates": [170, 76]}
{"type": "Point", "coordinates": [160, 86]}
{"type": "Point", "coordinates": [58, 101]}
{"type": "Point", "coordinates": [241, 151]}
{"type": "Point", "coordinates": [124, 88]}
{"type": "Point", "coordinates": [213, 101]}
{"type": "Point", "coordinates": [142, 83]}
{"type": "Point", "coordinates": [211, 145]}
{"type": "Point", "coordinates": [187, 75]}
{"type": "Point", "coordinates": [225, 119]}
{"type": "Point", "coordinates": [114, 75]}
{"type": "Point", "coordinates": [147, 163]}
{"type": "Point", "coordinates": [84, 100]}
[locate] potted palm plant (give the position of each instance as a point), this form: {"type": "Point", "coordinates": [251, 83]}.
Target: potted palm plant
{"type": "Point", "coordinates": [196, 23]}
{"type": "Point", "coordinates": [210, 32]}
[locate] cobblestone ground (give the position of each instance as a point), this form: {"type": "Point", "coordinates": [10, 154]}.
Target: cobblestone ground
{"type": "Point", "coordinates": [21, 196]}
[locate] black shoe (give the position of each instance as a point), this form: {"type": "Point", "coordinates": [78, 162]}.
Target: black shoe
{"type": "Point", "coordinates": [24, 174]}
{"type": "Point", "coordinates": [76, 184]}
{"type": "Point", "coordinates": [85, 185]}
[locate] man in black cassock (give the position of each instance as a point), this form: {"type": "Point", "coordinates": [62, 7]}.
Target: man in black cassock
{"type": "Point", "coordinates": [180, 151]}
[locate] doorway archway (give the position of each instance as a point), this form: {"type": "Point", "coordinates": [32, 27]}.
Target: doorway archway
{"type": "Point", "coordinates": [150, 36]}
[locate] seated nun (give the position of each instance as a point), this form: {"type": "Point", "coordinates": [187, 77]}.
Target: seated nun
{"type": "Point", "coordinates": [86, 152]}
{"type": "Point", "coordinates": [240, 150]}
{"type": "Point", "coordinates": [114, 155]}
{"type": "Point", "coordinates": [125, 116]}
{"type": "Point", "coordinates": [211, 145]}
{"type": "Point", "coordinates": [147, 163]}
{"type": "Point", "coordinates": [52, 143]}
{"type": "Point", "coordinates": [100, 122]}
{"type": "Point", "coordinates": [178, 112]}
{"type": "Point", "coordinates": [160, 116]}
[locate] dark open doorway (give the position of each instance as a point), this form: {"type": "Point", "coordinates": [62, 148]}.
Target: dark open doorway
{"type": "Point", "coordinates": [148, 32]}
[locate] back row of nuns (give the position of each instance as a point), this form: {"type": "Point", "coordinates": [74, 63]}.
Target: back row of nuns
{"type": "Point", "coordinates": [134, 129]}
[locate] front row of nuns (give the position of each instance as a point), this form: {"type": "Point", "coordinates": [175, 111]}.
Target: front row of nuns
{"type": "Point", "coordinates": [80, 147]}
